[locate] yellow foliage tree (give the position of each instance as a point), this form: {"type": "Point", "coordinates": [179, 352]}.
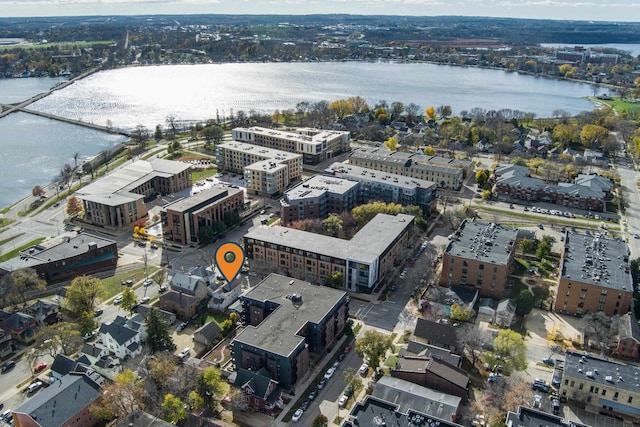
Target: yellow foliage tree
{"type": "Point", "coordinates": [430, 112]}
{"type": "Point", "coordinates": [392, 143]}
{"type": "Point", "coordinates": [340, 108]}
{"type": "Point", "coordinates": [429, 150]}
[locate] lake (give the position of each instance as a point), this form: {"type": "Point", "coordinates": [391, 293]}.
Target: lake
{"type": "Point", "coordinates": [34, 149]}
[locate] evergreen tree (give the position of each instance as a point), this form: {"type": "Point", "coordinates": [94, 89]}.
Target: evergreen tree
{"type": "Point", "coordinates": [158, 337]}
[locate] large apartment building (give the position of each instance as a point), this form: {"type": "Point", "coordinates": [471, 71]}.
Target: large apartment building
{"type": "Point", "coordinates": [480, 255]}
{"type": "Point", "coordinates": [595, 275]}
{"type": "Point", "coordinates": [445, 172]}
{"type": "Point", "coordinates": [315, 145]}
{"type": "Point", "coordinates": [362, 261]}
{"type": "Point", "coordinates": [185, 218]}
{"type": "Point", "coordinates": [387, 187]}
{"type": "Point", "coordinates": [287, 321]}
{"type": "Point", "coordinates": [118, 200]}
{"type": "Point", "coordinates": [266, 171]}
{"type": "Point", "coordinates": [318, 197]}
{"type": "Point", "coordinates": [601, 385]}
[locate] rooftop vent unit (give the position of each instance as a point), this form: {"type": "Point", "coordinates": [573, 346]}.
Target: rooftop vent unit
{"type": "Point", "coordinates": [608, 378]}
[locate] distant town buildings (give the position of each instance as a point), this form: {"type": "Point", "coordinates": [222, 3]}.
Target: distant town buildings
{"type": "Point", "coordinates": [595, 276]}
{"type": "Point", "coordinates": [186, 217]}
{"type": "Point", "coordinates": [287, 320]}
{"type": "Point", "coordinates": [315, 145]}
{"type": "Point", "coordinates": [480, 255]}
{"type": "Point", "coordinates": [66, 258]}
{"type": "Point", "coordinates": [117, 200]}
{"type": "Point", "coordinates": [266, 171]}
{"type": "Point", "coordinates": [361, 263]}
{"type": "Point", "coordinates": [602, 386]}
{"type": "Point", "coordinates": [589, 192]}
{"type": "Point", "coordinates": [446, 172]}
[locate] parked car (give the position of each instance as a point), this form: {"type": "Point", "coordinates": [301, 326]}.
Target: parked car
{"type": "Point", "coordinates": [117, 300]}
{"type": "Point", "coordinates": [329, 373]}
{"type": "Point", "coordinates": [347, 349]}
{"type": "Point", "coordinates": [163, 288]}
{"type": "Point", "coordinates": [40, 367]}
{"type": "Point", "coordinates": [184, 353]}
{"type": "Point", "coordinates": [145, 300]}
{"type": "Point", "coordinates": [154, 246]}
{"type": "Point", "coordinates": [549, 361]}
{"type": "Point", "coordinates": [33, 387]}
{"type": "Point", "coordinates": [181, 326]}
{"type": "Point", "coordinates": [297, 415]}
{"type": "Point", "coordinates": [343, 400]}
{"type": "Point", "coordinates": [148, 282]}
{"type": "Point", "coordinates": [8, 365]}
{"type": "Point", "coordinates": [312, 395]}
{"type": "Point", "coordinates": [555, 404]}
{"type": "Point", "coordinates": [494, 376]}
{"type": "Point", "coordinates": [322, 383]}
{"type": "Point", "coordinates": [364, 369]}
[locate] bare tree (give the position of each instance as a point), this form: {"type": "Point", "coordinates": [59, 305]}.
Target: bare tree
{"type": "Point", "coordinates": [172, 122]}
{"type": "Point", "coordinates": [602, 329]}
{"type": "Point", "coordinates": [473, 340]}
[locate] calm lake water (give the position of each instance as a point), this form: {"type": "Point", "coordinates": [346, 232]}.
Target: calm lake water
{"type": "Point", "coordinates": [33, 149]}
{"type": "Point", "coordinates": [633, 48]}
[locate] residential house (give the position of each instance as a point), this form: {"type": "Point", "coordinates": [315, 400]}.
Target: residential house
{"type": "Point", "coordinates": [22, 327]}
{"type": "Point", "coordinates": [45, 312]}
{"type": "Point", "coordinates": [61, 366]}
{"type": "Point", "coordinates": [528, 417]}
{"type": "Point", "coordinates": [184, 306]}
{"type": "Point", "coordinates": [121, 338]}
{"type": "Point", "coordinates": [64, 404]}
{"type": "Point", "coordinates": [505, 313]}
{"type": "Point", "coordinates": [6, 346]}
{"type": "Point", "coordinates": [436, 334]}
{"type": "Point", "coordinates": [189, 284]}
{"type": "Point", "coordinates": [433, 373]}
{"type": "Point", "coordinates": [141, 418]}
{"type": "Point", "coordinates": [418, 349]}
{"type": "Point", "coordinates": [595, 275]}
{"type": "Point", "coordinates": [259, 391]}
{"type": "Point", "coordinates": [167, 316]}
{"type": "Point", "coordinates": [602, 386]}
{"type": "Point", "coordinates": [287, 322]}
{"type": "Point", "coordinates": [628, 337]}
{"type": "Point", "coordinates": [205, 335]}
{"type": "Point", "coordinates": [225, 295]}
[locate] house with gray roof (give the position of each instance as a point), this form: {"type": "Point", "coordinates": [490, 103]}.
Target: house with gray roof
{"type": "Point", "coordinates": [121, 338]}
{"type": "Point", "coordinates": [436, 334]}
{"type": "Point", "coordinates": [63, 403]}
{"type": "Point", "coordinates": [22, 327]}
{"type": "Point", "coordinates": [260, 392]}
{"type": "Point", "coordinates": [628, 337]}
{"type": "Point", "coordinates": [189, 284]}
{"type": "Point", "coordinates": [374, 411]}
{"type": "Point", "coordinates": [61, 366]}
{"type": "Point", "coordinates": [432, 372]}
{"type": "Point", "coordinates": [529, 417]}
{"type": "Point", "coordinates": [205, 335]}
{"type": "Point", "coordinates": [45, 312]}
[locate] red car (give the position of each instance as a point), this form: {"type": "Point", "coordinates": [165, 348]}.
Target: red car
{"type": "Point", "coordinates": [40, 367]}
{"type": "Point", "coordinates": [347, 349]}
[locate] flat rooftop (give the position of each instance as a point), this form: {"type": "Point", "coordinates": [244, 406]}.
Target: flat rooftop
{"type": "Point", "coordinates": [486, 242]}
{"type": "Point", "coordinates": [613, 375]}
{"type": "Point", "coordinates": [61, 249]}
{"type": "Point", "coordinates": [204, 197]}
{"type": "Point", "coordinates": [357, 173]}
{"type": "Point", "coordinates": [385, 155]}
{"type": "Point", "coordinates": [278, 332]}
{"type": "Point", "coordinates": [318, 185]}
{"type": "Point", "coordinates": [257, 150]}
{"type": "Point", "coordinates": [366, 246]}
{"type": "Point", "coordinates": [596, 260]}
{"type": "Point", "coordinates": [310, 135]}
{"type": "Point", "coordinates": [528, 417]}
{"type": "Point", "coordinates": [376, 412]}
{"type": "Point", "coordinates": [115, 188]}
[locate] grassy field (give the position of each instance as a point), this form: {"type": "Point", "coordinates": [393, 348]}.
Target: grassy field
{"type": "Point", "coordinates": [60, 45]}
{"type": "Point", "coordinates": [13, 253]}
{"type": "Point", "coordinates": [619, 105]}
{"type": "Point", "coordinates": [200, 174]}
{"type": "Point", "coordinates": [113, 285]}
{"type": "Point", "coordinates": [8, 239]}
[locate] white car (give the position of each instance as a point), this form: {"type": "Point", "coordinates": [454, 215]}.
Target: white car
{"type": "Point", "coordinates": [148, 282]}
{"type": "Point", "coordinates": [329, 373]}
{"type": "Point", "coordinates": [184, 353]}
{"type": "Point", "coordinates": [145, 300]}
{"type": "Point", "coordinates": [297, 415]}
{"type": "Point", "coordinates": [343, 401]}
{"type": "Point", "coordinates": [364, 369]}
{"type": "Point", "coordinates": [117, 300]}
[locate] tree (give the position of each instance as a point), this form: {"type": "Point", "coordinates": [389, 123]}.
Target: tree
{"type": "Point", "coordinates": [353, 379]}
{"type": "Point", "coordinates": [473, 340]}
{"type": "Point", "coordinates": [602, 329]}
{"type": "Point", "coordinates": [364, 213]}
{"type": "Point", "coordinates": [76, 156]}
{"type": "Point", "coordinates": [210, 387]}
{"type": "Point", "coordinates": [358, 104]}
{"type": "Point", "coordinates": [61, 337]}
{"type": "Point", "coordinates": [525, 245]}
{"type": "Point", "coordinates": [543, 249]}
{"type": "Point", "coordinates": [373, 345]}
{"type": "Point", "coordinates": [524, 302]}
{"type": "Point", "coordinates": [20, 283]}
{"type": "Point", "coordinates": [212, 134]}
{"type": "Point", "coordinates": [486, 194]}
{"type": "Point", "coordinates": [173, 410]}
{"type": "Point", "coordinates": [84, 294]}
{"type": "Point", "coordinates": [463, 314]}
{"type": "Point", "coordinates": [411, 111]}
{"type": "Point", "coordinates": [481, 177]}
{"type": "Point", "coordinates": [37, 191]}
{"type": "Point", "coordinates": [66, 175]}
{"type": "Point", "coordinates": [397, 108]}
{"type": "Point", "coordinates": [429, 150]}
{"type": "Point", "coordinates": [129, 300]}
{"type": "Point", "coordinates": [444, 111]}
{"type": "Point", "coordinates": [340, 108]}
{"type": "Point", "coordinates": [74, 207]}
{"type": "Point", "coordinates": [509, 347]}
{"type": "Point", "coordinates": [430, 112]}
{"type": "Point", "coordinates": [392, 143]}
{"type": "Point", "coordinates": [87, 322]}
{"type": "Point", "coordinates": [120, 398]}
{"type": "Point", "coordinates": [320, 421]}
{"type": "Point", "coordinates": [565, 134]}
{"type": "Point", "coordinates": [140, 135]}
{"type": "Point", "coordinates": [157, 134]}
{"type": "Point", "coordinates": [593, 135]}
{"type": "Point", "coordinates": [333, 224]}
{"type": "Point", "coordinates": [158, 337]}
{"type": "Point", "coordinates": [161, 369]}
{"type": "Point", "coordinates": [172, 122]}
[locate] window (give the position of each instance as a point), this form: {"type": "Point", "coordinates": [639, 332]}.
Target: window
{"type": "Point", "coordinates": [604, 392]}
{"type": "Point", "coordinates": [583, 296]}
{"type": "Point", "coordinates": [465, 263]}
{"type": "Point", "coordinates": [481, 267]}
{"type": "Point", "coordinates": [584, 289]}
{"type": "Point", "coordinates": [604, 292]}
{"type": "Point", "coordinates": [629, 399]}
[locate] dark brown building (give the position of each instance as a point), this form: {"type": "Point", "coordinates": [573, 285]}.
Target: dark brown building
{"type": "Point", "coordinates": [432, 373]}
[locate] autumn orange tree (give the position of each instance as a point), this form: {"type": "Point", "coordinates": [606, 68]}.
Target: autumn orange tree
{"type": "Point", "coordinates": [74, 207]}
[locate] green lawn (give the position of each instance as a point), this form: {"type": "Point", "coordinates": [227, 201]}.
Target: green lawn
{"type": "Point", "coordinates": [619, 105]}
{"type": "Point", "coordinates": [61, 45]}
{"type": "Point", "coordinates": [13, 253]}
{"type": "Point", "coordinates": [2, 242]}
{"type": "Point", "coordinates": [5, 221]}
{"type": "Point", "coordinates": [391, 361]}
{"type": "Point", "coordinates": [199, 175]}
{"type": "Point", "coordinates": [113, 284]}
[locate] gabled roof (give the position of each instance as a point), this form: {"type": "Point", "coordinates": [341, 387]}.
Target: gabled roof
{"type": "Point", "coordinates": [180, 298]}
{"type": "Point", "coordinates": [18, 321]}
{"type": "Point", "coordinates": [414, 348]}
{"type": "Point", "coordinates": [257, 381]}
{"type": "Point", "coordinates": [506, 305]}
{"type": "Point", "coordinates": [62, 400]}
{"type": "Point", "coordinates": [186, 282]}
{"type": "Point", "coordinates": [42, 307]}
{"type": "Point", "coordinates": [63, 364]}
{"type": "Point", "coordinates": [436, 333]}
{"type": "Point", "coordinates": [91, 350]}
{"type": "Point", "coordinates": [628, 327]}
{"type": "Point", "coordinates": [449, 373]}
{"type": "Point", "coordinates": [209, 330]}
{"type": "Point", "coordinates": [121, 334]}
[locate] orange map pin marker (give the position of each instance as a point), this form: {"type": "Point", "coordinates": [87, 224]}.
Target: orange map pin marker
{"type": "Point", "coordinates": [229, 258]}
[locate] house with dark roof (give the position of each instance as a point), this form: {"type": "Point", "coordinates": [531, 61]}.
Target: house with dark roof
{"type": "Point", "coordinates": [189, 284]}
{"type": "Point", "coordinates": [120, 339]}
{"type": "Point", "coordinates": [45, 312]}
{"type": "Point", "coordinates": [259, 390]}
{"type": "Point", "coordinates": [6, 346]}
{"type": "Point", "coordinates": [437, 334]}
{"type": "Point", "coordinates": [416, 349]}
{"type": "Point", "coordinates": [223, 297]}
{"type": "Point", "coordinates": [183, 305]}
{"type": "Point", "coordinates": [505, 313]}
{"type": "Point", "coordinates": [63, 403]}
{"type": "Point", "coordinates": [628, 337]}
{"type": "Point", "coordinates": [61, 366]}
{"type": "Point", "coordinates": [167, 316]}
{"type": "Point", "coordinates": [22, 327]}
{"type": "Point", "coordinates": [432, 373]}
{"type": "Point", "coordinates": [528, 417]}
{"type": "Point", "coordinates": [205, 335]}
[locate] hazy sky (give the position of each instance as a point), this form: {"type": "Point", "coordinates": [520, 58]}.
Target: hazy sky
{"type": "Point", "coordinates": [601, 10]}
